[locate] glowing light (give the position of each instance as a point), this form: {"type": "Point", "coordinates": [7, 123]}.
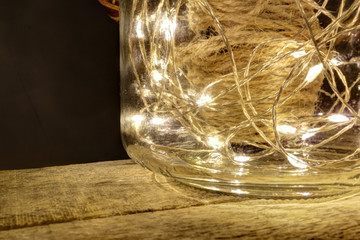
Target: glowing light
{"type": "Point", "coordinates": [191, 92]}
{"type": "Point", "coordinates": [305, 194]}
{"type": "Point", "coordinates": [241, 158]}
{"type": "Point", "coordinates": [147, 93]}
{"type": "Point", "coordinates": [296, 162]}
{"type": "Point", "coordinates": [307, 135]}
{"type": "Point", "coordinates": [160, 62]}
{"type": "Point", "coordinates": [204, 99]}
{"type": "Point", "coordinates": [314, 72]}
{"type": "Point", "coordinates": [137, 120]}
{"type": "Point", "coordinates": [138, 28]}
{"type": "Point", "coordinates": [335, 62]}
{"type": "Point", "coordinates": [157, 76]}
{"type": "Point", "coordinates": [338, 118]}
{"type": "Point", "coordinates": [214, 142]}
{"type": "Point", "coordinates": [214, 188]}
{"type": "Point", "coordinates": [212, 180]}
{"type": "Point", "coordinates": [310, 133]}
{"type": "Point", "coordinates": [157, 121]}
{"type": "Point", "coordinates": [168, 27]}
{"type": "Point", "coordinates": [286, 129]}
{"type": "Point", "coordinates": [298, 54]}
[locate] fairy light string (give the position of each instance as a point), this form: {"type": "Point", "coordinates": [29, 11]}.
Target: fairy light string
{"type": "Point", "coordinates": [269, 99]}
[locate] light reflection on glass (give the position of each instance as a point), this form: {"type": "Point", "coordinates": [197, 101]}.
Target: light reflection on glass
{"type": "Point", "coordinates": [242, 171]}
{"type": "Point", "coordinates": [305, 194]}
{"type": "Point", "coordinates": [238, 191]}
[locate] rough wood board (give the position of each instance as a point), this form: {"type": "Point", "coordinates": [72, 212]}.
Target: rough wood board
{"type": "Point", "coordinates": [327, 220]}
{"type": "Point", "coordinates": [120, 200]}
{"type": "Point", "coordinates": [66, 193]}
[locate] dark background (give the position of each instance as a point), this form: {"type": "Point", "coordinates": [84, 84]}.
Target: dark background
{"type": "Point", "coordinates": [59, 84]}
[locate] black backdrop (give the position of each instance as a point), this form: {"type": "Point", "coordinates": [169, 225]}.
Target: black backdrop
{"type": "Point", "coordinates": [59, 83]}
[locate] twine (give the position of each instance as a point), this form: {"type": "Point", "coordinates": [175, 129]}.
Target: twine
{"type": "Point", "coordinates": [246, 73]}
{"type": "Point", "coordinates": [112, 7]}
{"type": "Point", "coordinates": [248, 24]}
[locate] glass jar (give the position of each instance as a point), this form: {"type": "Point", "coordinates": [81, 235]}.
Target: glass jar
{"type": "Point", "coordinates": [252, 97]}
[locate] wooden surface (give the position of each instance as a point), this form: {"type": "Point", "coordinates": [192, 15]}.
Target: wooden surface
{"type": "Point", "coordinates": [121, 200]}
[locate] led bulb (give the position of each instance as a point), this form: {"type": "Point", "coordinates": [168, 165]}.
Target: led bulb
{"type": "Point", "coordinates": [314, 72]}
{"type": "Point", "coordinates": [286, 129]}
{"type": "Point", "coordinates": [338, 118]}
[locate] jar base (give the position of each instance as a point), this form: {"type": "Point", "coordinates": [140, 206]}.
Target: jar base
{"type": "Point", "coordinates": [273, 191]}
{"type": "Point", "coordinates": [259, 183]}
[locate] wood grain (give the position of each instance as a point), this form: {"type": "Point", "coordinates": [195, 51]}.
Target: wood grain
{"type": "Point", "coordinates": [59, 194]}
{"type": "Point", "coordinates": [220, 221]}
{"type": "Point", "coordinates": [120, 200]}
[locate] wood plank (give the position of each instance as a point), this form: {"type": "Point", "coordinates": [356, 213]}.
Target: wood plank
{"type": "Point", "coordinates": [281, 220]}
{"type": "Point", "coordinates": [121, 200]}
{"type": "Point", "coordinates": [59, 194]}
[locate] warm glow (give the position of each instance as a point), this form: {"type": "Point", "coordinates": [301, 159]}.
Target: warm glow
{"type": "Point", "coordinates": [204, 99]}
{"type": "Point", "coordinates": [241, 158]}
{"type": "Point", "coordinates": [307, 135]}
{"type": "Point", "coordinates": [338, 118]}
{"type": "Point", "coordinates": [335, 62]}
{"type": "Point", "coordinates": [214, 188]}
{"type": "Point", "coordinates": [160, 62]}
{"type": "Point", "coordinates": [314, 72]}
{"type": "Point", "coordinates": [238, 191]}
{"type": "Point", "coordinates": [214, 142]}
{"type": "Point", "coordinates": [139, 32]}
{"type": "Point", "coordinates": [137, 120]}
{"type": "Point", "coordinates": [157, 76]}
{"type": "Point", "coordinates": [168, 27]}
{"type": "Point", "coordinates": [298, 54]}
{"type": "Point", "coordinates": [147, 93]}
{"type": "Point", "coordinates": [286, 129]}
{"type": "Point", "coordinates": [296, 162]}
{"type": "Point", "coordinates": [157, 121]}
